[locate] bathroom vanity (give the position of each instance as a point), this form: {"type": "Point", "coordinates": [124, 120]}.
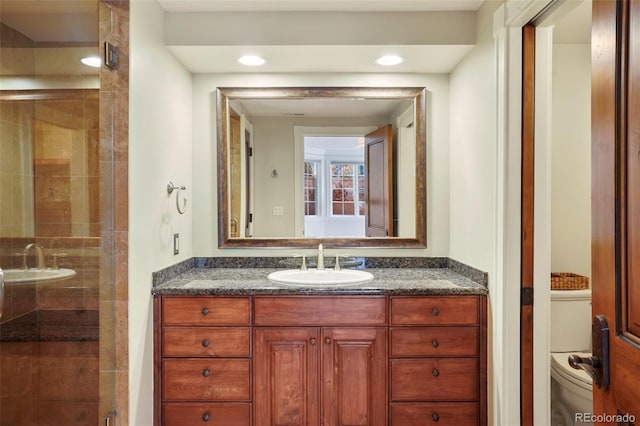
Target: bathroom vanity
{"type": "Point", "coordinates": [232, 348]}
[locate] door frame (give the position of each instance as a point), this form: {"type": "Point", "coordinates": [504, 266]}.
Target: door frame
{"type": "Point", "coordinates": [509, 387]}
{"type": "Point", "coordinates": [299, 133]}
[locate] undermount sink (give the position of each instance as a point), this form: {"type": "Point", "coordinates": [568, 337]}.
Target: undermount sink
{"type": "Point", "coordinates": [18, 276]}
{"type": "Point", "coordinates": [314, 277]}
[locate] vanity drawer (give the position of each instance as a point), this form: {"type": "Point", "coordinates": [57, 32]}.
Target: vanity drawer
{"type": "Point", "coordinates": [205, 379]}
{"type": "Point", "coordinates": [444, 310]}
{"type": "Point", "coordinates": [205, 310]}
{"type": "Point", "coordinates": [435, 413]}
{"type": "Point", "coordinates": [319, 311]}
{"type": "Point", "coordinates": [205, 341]}
{"type": "Point", "coordinates": [434, 341]}
{"type": "Point", "coordinates": [437, 379]}
{"type": "Point", "coordinates": [216, 414]}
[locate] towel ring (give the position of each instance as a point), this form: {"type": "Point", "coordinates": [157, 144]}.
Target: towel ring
{"type": "Point", "coordinates": [170, 188]}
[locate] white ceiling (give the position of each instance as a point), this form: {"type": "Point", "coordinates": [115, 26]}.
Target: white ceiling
{"type": "Point", "coordinates": [75, 21]}
{"type": "Point", "coordinates": [319, 5]}
{"type": "Point", "coordinates": [331, 59]}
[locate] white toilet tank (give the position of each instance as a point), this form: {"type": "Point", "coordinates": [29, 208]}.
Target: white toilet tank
{"type": "Point", "coordinates": [571, 320]}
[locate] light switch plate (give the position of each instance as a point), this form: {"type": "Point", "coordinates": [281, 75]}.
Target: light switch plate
{"type": "Point", "coordinates": [176, 244]}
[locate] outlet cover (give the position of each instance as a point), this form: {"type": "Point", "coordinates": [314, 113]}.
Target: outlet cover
{"type": "Point", "coordinates": [176, 244]}
{"type": "Point", "coordinates": [278, 210]}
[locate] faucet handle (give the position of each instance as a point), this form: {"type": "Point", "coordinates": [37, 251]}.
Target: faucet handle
{"type": "Point", "coordinates": [336, 267]}
{"type": "Point", "coordinates": [55, 260]}
{"type": "Point", "coordinates": [303, 267]}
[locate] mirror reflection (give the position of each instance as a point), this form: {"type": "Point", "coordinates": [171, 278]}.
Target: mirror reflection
{"type": "Point", "coordinates": [304, 164]}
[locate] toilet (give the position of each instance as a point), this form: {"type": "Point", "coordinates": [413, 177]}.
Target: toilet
{"type": "Point", "coordinates": [571, 389]}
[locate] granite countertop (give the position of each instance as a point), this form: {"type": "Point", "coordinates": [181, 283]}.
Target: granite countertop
{"type": "Point", "coordinates": [253, 281]}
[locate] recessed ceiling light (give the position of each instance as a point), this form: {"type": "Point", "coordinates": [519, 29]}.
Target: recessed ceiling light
{"type": "Point", "coordinates": [92, 61]}
{"type": "Point", "coordinates": [389, 60]}
{"type": "Point", "coordinates": [251, 60]}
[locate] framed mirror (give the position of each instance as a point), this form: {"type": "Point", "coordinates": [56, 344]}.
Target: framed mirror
{"type": "Point", "coordinates": [342, 166]}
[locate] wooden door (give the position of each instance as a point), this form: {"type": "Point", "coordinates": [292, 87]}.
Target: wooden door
{"type": "Point", "coordinates": [235, 174]}
{"type": "Point", "coordinates": [286, 376]}
{"type": "Point", "coordinates": [354, 376]}
{"type": "Point", "coordinates": [378, 160]}
{"type": "Point", "coordinates": [616, 201]}
{"type": "Point", "coordinates": [248, 210]}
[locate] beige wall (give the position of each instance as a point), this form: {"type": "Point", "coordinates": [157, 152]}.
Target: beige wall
{"type": "Point", "coordinates": [473, 151]}
{"type": "Point", "coordinates": [204, 153]}
{"type": "Point", "coordinates": [159, 152]}
{"type": "Point", "coordinates": [474, 185]}
{"type": "Point", "coordinates": [571, 160]}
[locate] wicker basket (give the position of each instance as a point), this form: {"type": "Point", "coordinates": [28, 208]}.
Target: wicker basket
{"type": "Point", "coordinates": [568, 281]}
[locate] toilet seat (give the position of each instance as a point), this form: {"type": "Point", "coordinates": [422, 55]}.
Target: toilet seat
{"type": "Point", "coordinates": [579, 380]}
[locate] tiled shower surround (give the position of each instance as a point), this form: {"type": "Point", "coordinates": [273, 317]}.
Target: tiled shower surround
{"type": "Point", "coordinates": [64, 347]}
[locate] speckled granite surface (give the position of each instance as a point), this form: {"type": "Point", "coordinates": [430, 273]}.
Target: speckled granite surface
{"type": "Point", "coordinates": [250, 281]}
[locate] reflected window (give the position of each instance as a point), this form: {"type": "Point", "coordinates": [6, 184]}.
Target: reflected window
{"type": "Point", "coordinates": [311, 188]}
{"type": "Point", "coordinates": [347, 189]}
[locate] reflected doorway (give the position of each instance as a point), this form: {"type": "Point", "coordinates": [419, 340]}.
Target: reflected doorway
{"type": "Point", "coordinates": [334, 186]}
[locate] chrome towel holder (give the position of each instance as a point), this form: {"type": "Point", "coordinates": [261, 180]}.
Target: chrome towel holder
{"type": "Point", "coordinates": [170, 188]}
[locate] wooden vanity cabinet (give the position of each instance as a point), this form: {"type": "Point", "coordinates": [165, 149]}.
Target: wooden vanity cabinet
{"type": "Point", "coordinates": [307, 374]}
{"type": "Point", "coordinates": [437, 365]}
{"type": "Point", "coordinates": [203, 361]}
{"type": "Point", "coordinates": [320, 360]}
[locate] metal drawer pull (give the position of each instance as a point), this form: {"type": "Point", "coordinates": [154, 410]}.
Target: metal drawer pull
{"type": "Point", "coordinates": [206, 372]}
{"type": "Point", "coordinates": [435, 417]}
{"type": "Point", "coordinates": [205, 343]}
{"type": "Point", "coordinates": [327, 341]}
{"type": "Point", "coordinates": [435, 372]}
{"type": "Point", "coordinates": [435, 311]}
{"type": "Point", "coordinates": [204, 311]}
{"type": "Point", "coordinates": [312, 341]}
{"type": "Point", "coordinates": [206, 417]}
{"type": "Point", "coordinates": [435, 343]}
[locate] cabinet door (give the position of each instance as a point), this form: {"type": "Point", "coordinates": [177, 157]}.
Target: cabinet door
{"type": "Point", "coordinates": [354, 374]}
{"type": "Point", "coordinates": [286, 376]}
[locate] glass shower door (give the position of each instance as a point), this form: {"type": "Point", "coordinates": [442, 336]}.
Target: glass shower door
{"type": "Point", "coordinates": [55, 317]}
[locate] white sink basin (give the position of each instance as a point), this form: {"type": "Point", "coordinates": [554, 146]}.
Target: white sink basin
{"type": "Point", "coordinates": [30, 275]}
{"type": "Point", "coordinates": [314, 277]}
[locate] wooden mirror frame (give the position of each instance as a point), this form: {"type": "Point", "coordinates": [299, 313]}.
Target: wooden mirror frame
{"type": "Point", "coordinates": [223, 95]}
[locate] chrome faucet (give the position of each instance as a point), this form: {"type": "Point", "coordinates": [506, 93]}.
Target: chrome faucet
{"type": "Point", "coordinates": [39, 255]}
{"type": "Point", "coordinates": [320, 264]}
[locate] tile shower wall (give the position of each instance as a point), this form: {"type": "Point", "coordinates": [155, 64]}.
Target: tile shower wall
{"type": "Point", "coordinates": [49, 163]}
{"type": "Point", "coordinates": [49, 149]}
{"type": "Point", "coordinates": [49, 383]}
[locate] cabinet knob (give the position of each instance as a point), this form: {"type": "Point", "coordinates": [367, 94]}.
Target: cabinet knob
{"type": "Point", "coordinates": [327, 341]}
{"type": "Point", "coordinates": [435, 372]}
{"type": "Point", "coordinates": [206, 372]}
{"type": "Point", "coordinates": [435, 311]}
{"type": "Point", "coordinates": [205, 343]}
{"type": "Point", "coordinates": [312, 341]}
{"type": "Point", "coordinates": [435, 417]}
{"type": "Point", "coordinates": [204, 311]}
{"type": "Point", "coordinates": [435, 343]}
{"type": "Point", "coordinates": [206, 417]}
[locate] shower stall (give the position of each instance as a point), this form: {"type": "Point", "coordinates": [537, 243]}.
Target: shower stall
{"type": "Point", "coordinates": [57, 321]}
